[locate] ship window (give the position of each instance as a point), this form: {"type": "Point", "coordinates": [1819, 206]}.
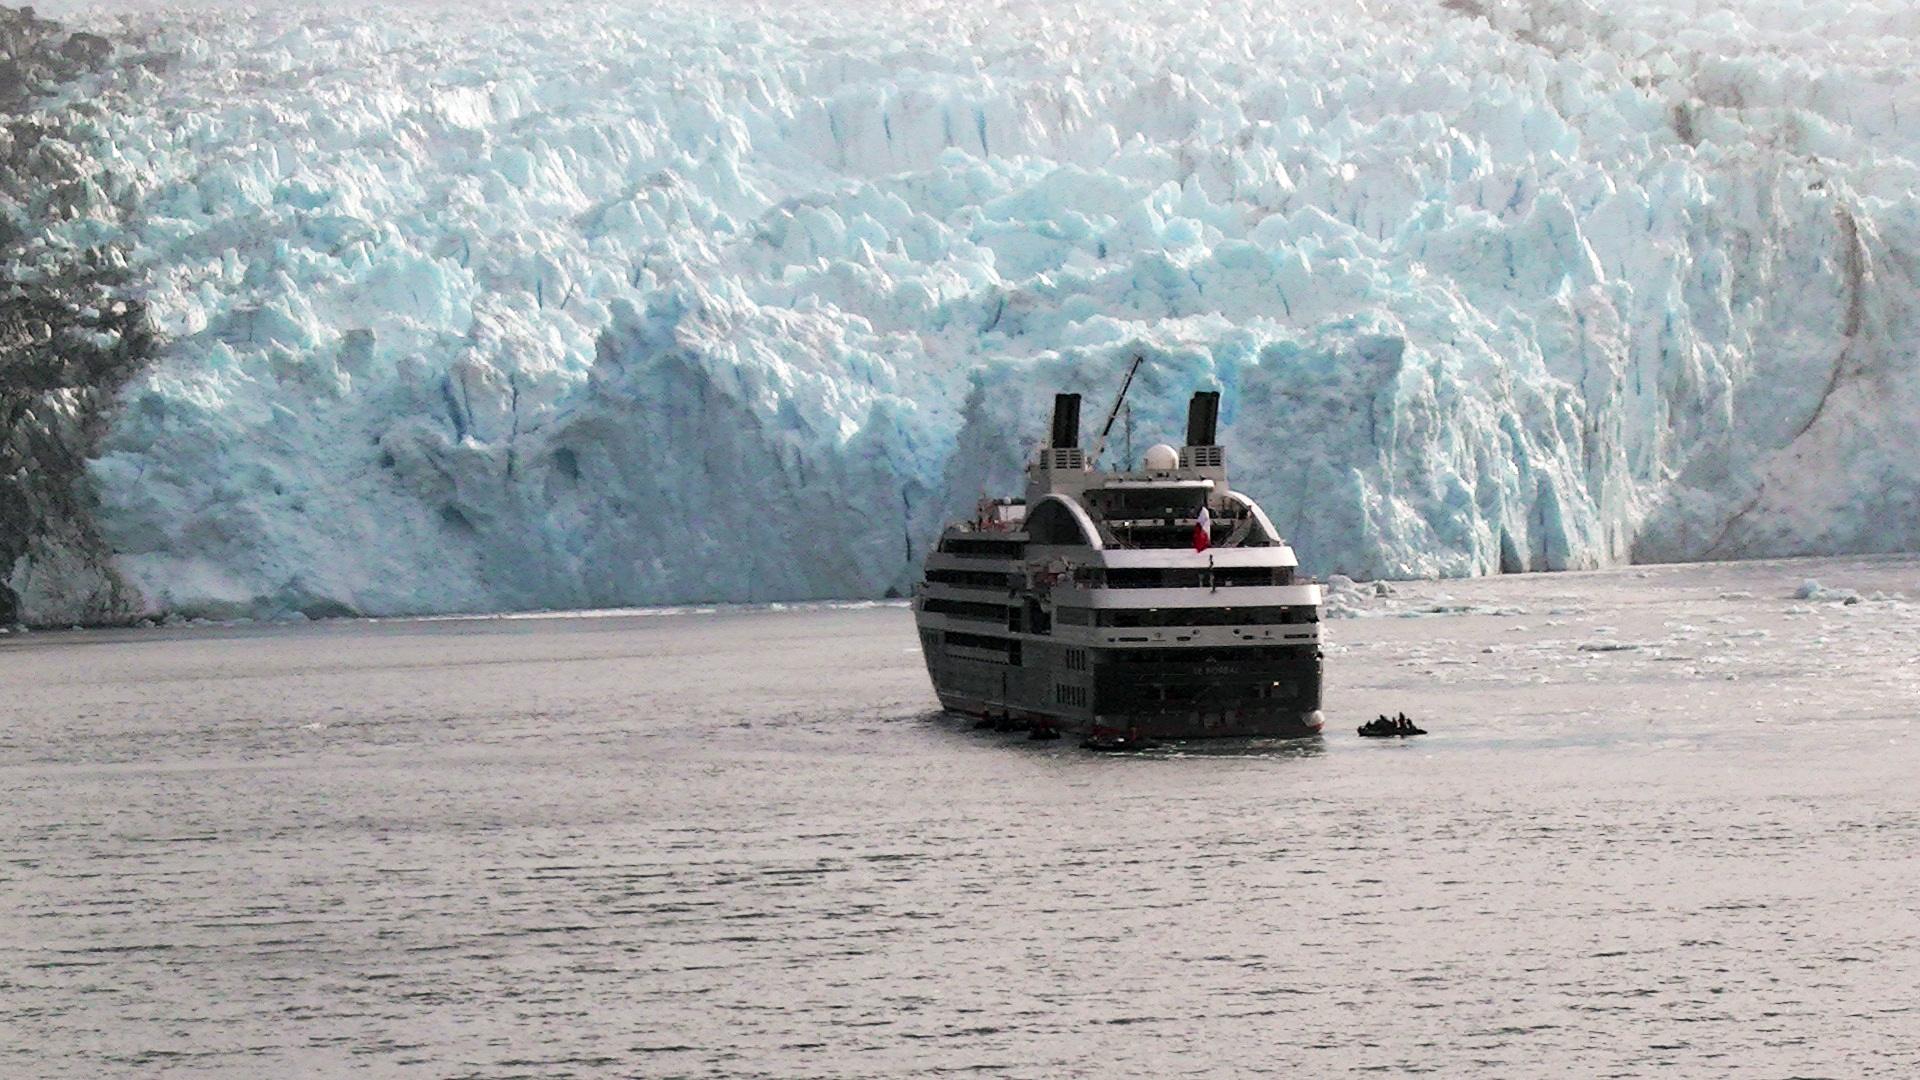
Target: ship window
{"type": "Point", "coordinates": [1152, 517]}
{"type": "Point", "coordinates": [976, 578]}
{"type": "Point", "coordinates": [1149, 502]}
{"type": "Point", "coordinates": [1052, 523]}
{"type": "Point", "coordinates": [1154, 577]}
{"type": "Point", "coordinates": [981, 547]}
{"type": "Point", "coordinates": [1178, 578]}
{"type": "Point", "coordinates": [1251, 575]}
{"type": "Point", "coordinates": [1237, 659]}
{"type": "Point", "coordinates": [1217, 616]}
{"type": "Point", "coordinates": [996, 650]}
{"type": "Point", "coordinates": [965, 609]}
{"type": "Point", "coordinates": [1073, 616]}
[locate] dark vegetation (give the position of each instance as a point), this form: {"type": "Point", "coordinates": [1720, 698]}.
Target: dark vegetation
{"type": "Point", "coordinates": [70, 333]}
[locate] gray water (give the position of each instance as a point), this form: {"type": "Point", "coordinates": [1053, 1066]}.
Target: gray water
{"type": "Point", "coordinates": [1664, 825]}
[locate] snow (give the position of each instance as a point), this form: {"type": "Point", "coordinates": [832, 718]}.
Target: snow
{"type": "Point", "coordinates": [614, 305]}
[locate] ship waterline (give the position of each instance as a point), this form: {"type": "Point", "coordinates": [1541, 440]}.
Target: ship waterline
{"type": "Point", "coordinates": [1143, 603]}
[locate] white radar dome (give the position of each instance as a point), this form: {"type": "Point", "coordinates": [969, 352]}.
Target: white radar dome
{"type": "Point", "coordinates": [1161, 457]}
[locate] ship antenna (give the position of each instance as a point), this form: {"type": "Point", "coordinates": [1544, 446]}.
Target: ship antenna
{"type": "Point", "coordinates": [1101, 443]}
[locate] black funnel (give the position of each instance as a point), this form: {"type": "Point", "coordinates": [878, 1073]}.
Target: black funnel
{"type": "Point", "coordinates": [1066, 421]}
{"type": "Point", "coordinates": [1203, 418]}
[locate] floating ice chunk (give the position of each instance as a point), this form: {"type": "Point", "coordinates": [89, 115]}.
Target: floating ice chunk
{"type": "Point", "coordinates": [1811, 589]}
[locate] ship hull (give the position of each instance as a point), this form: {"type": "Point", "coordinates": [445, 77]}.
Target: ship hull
{"type": "Point", "coordinates": [1213, 694]}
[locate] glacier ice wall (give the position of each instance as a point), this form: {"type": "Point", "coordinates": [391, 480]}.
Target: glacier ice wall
{"type": "Point", "coordinates": [600, 305]}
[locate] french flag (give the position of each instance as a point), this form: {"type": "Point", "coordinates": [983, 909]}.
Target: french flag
{"type": "Point", "coordinates": [1203, 531]}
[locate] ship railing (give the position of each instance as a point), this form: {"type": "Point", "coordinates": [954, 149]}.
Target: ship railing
{"type": "Point", "coordinates": [1237, 527]}
{"type": "Point", "coordinates": [998, 515]}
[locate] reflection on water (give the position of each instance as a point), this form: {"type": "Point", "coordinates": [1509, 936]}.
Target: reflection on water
{"type": "Point", "coordinates": [1309, 747]}
{"type": "Point", "coordinates": [744, 844]}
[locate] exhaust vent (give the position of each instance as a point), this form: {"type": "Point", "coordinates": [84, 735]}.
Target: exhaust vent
{"type": "Point", "coordinates": [1066, 421]}
{"type": "Point", "coordinates": [1203, 418]}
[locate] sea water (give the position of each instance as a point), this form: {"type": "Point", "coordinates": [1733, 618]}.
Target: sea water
{"type": "Point", "coordinates": [1664, 823]}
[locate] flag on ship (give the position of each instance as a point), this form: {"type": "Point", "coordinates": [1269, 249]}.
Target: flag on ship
{"type": "Point", "coordinates": [1203, 531]}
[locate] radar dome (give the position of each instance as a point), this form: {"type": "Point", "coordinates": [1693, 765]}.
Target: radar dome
{"type": "Point", "coordinates": [1161, 457]}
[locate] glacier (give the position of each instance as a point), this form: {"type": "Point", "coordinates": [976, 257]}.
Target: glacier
{"type": "Point", "coordinates": [583, 305]}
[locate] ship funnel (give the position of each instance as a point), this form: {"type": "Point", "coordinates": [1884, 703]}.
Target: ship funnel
{"type": "Point", "coordinates": [1066, 421]}
{"type": "Point", "coordinates": [1203, 418]}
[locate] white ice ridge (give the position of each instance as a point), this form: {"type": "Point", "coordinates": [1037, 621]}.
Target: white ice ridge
{"type": "Point", "coordinates": [581, 305]}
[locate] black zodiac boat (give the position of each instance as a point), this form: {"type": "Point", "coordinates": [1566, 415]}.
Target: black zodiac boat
{"type": "Point", "coordinates": [1397, 726]}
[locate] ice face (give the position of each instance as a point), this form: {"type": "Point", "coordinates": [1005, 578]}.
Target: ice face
{"type": "Point", "coordinates": [589, 305]}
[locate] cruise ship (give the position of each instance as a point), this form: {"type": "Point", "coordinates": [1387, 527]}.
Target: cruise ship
{"type": "Point", "coordinates": [1137, 604]}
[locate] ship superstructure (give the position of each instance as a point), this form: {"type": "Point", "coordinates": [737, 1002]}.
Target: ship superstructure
{"type": "Point", "coordinates": [1140, 603]}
